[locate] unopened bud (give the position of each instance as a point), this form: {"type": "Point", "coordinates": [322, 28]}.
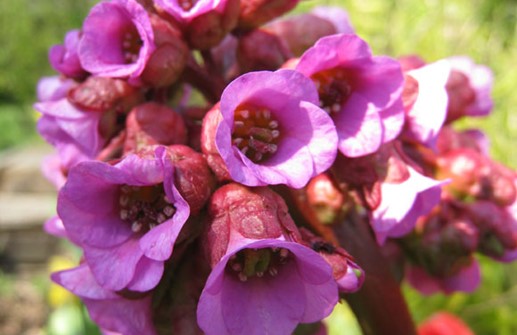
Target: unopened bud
{"type": "Point", "coordinates": [100, 94]}
{"type": "Point", "coordinates": [261, 50]}
{"type": "Point", "coordinates": [254, 13]}
{"type": "Point", "coordinates": [152, 123]}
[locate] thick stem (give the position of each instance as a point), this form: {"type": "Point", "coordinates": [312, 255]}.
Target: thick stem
{"type": "Point", "coordinates": [210, 86]}
{"type": "Point", "coordinates": [379, 305]}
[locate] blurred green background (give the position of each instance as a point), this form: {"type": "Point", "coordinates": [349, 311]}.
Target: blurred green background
{"type": "Point", "coordinates": [482, 29]}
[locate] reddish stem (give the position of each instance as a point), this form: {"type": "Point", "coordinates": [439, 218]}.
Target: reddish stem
{"type": "Point", "coordinates": [379, 305]}
{"type": "Point", "coordinates": [210, 86]}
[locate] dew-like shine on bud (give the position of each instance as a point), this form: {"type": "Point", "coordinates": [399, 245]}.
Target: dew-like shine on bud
{"type": "Point", "coordinates": [249, 263]}
{"type": "Point", "coordinates": [334, 89]}
{"type": "Point", "coordinates": [144, 207]}
{"type": "Point", "coordinates": [255, 132]}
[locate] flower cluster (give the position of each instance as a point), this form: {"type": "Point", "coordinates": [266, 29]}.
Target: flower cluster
{"type": "Point", "coordinates": [207, 150]}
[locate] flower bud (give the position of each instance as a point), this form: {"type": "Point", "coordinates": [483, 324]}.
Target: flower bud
{"type": "Point", "coordinates": [152, 123]}
{"type": "Point", "coordinates": [192, 176]}
{"type": "Point", "coordinates": [300, 32]}
{"type": "Point", "coordinates": [254, 13]}
{"type": "Point", "coordinates": [261, 50]}
{"type": "Point", "coordinates": [325, 198]}
{"type": "Point", "coordinates": [100, 94]}
{"type": "Point", "coordinates": [214, 160]}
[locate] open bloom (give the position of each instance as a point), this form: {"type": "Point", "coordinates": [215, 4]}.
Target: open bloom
{"type": "Point", "coordinates": [271, 130]}
{"type": "Point", "coordinates": [362, 93]}
{"type": "Point", "coordinates": [402, 203]}
{"type": "Point", "coordinates": [125, 216]}
{"type": "Point", "coordinates": [117, 39]}
{"type": "Point", "coordinates": [184, 11]}
{"type": "Point", "coordinates": [111, 311]}
{"type": "Point", "coordinates": [266, 287]}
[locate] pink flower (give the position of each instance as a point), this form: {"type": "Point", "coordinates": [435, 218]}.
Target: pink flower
{"type": "Point", "coordinates": [125, 216]}
{"type": "Point", "coordinates": [402, 203]}
{"type": "Point", "coordinates": [272, 132]}
{"type": "Point", "coordinates": [117, 39]}
{"type": "Point", "coordinates": [266, 286]}
{"type": "Point", "coordinates": [362, 93]}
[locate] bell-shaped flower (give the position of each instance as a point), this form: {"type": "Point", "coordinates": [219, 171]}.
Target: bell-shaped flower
{"type": "Point", "coordinates": [111, 311]}
{"type": "Point", "coordinates": [272, 131]}
{"type": "Point", "coordinates": [266, 287]}
{"type": "Point", "coordinates": [361, 93]}
{"type": "Point", "coordinates": [117, 39]}
{"type": "Point", "coordinates": [262, 280]}
{"type": "Point", "coordinates": [402, 203]}
{"type": "Point", "coordinates": [125, 216]}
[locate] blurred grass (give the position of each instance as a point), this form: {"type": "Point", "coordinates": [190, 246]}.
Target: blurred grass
{"type": "Point", "coordinates": [482, 29]}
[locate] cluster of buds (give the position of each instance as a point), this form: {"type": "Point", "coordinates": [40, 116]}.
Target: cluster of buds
{"type": "Point", "coordinates": [207, 150]}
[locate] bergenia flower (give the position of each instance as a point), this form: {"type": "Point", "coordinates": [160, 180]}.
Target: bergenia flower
{"type": "Point", "coordinates": [272, 131]}
{"type": "Point", "coordinates": [402, 203]}
{"type": "Point", "coordinates": [262, 281]}
{"type": "Point", "coordinates": [117, 39]}
{"type": "Point", "coordinates": [467, 279]}
{"type": "Point", "coordinates": [64, 58]}
{"type": "Point", "coordinates": [266, 287]}
{"type": "Point", "coordinates": [112, 312]}
{"type": "Point", "coordinates": [425, 117]}
{"type": "Point", "coordinates": [362, 93]}
{"type": "Point", "coordinates": [337, 16]}
{"type": "Point", "coordinates": [53, 88]}
{"type": "Point", "coordinates": [125, 216]}
{"type": "Point", "coordinates": [469, 88]}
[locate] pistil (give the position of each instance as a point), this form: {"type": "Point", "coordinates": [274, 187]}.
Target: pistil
{"type": "Point", "coordinates": [258, 263]}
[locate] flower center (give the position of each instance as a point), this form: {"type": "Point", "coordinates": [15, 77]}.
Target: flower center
{"type": "Point", "coordinates": [187, 5]}
{"type": "Point", "coordinates": [144, 207]}
{"type": "Point", "coordinates": [131, 44]}
{"type": "Point", "coordinates": [333, 87]}
{"type": "Point", "coordinates": [257, 262]}
{"type": "Point", "coordinates": [255, 132]}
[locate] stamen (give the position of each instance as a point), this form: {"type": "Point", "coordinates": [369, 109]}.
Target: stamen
{"type": "Point", "coordinates": [273, 271]}
{"type": "Point", "coordinates": [334, 88]}
{"type": "Point", "coordinates": [144, 207]}
{"type": "Point", "coordinates": [242, 277]}
{"type": "Point", "coordinates": [255, 132]}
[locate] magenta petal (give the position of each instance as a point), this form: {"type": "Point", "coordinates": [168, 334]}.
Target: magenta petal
{"type": "Point", "coordinates": [114, 268]}
{"type": "Point", "coordinates": [81, 282]}
{"type": "Point", "coordinates": [359, 129]}
{"type": "Point", "coordinates": [54, 226]}
{"type": "Point", "coordinates": [428, 113]}
{"type": "Point", "coordinates": [259, 306]}
{"type": "Point", "coordinates": [147, 275]}
{"type": "Point", "coordinates": [124, 316]}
